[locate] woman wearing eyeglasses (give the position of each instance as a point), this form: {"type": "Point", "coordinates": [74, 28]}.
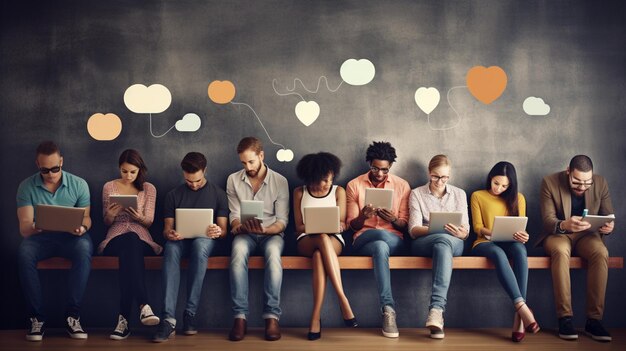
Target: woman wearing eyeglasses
{"type": "Point", "coordinates": [318, 172]}
{"type": "Point", "coordinates": [442, 245]}
{"type": "Point", "coordinates": [501, 198]}
{"type": "Point", "coordinates": [128, 237]}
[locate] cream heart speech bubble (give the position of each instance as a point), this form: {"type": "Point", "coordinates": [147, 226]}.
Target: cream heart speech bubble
{"type": "Point", "coordinates": [427, 99]}
{"type": "Point", "coordinates": [307, 112]}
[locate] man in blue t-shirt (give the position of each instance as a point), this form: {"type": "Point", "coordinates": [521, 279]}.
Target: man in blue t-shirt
{"type": "Point", "coordinates": [197, 192]}
{"type": "Point", "coordinates": [53, 186]}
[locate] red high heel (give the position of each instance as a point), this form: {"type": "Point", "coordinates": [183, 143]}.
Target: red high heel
{"type": "Point", "coordinates": [517, 336]}
{"type": "Point", "coordinates": [532, 327]}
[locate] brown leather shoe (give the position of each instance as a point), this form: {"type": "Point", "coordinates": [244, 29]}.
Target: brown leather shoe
{"type": "Point", "coordinates": [240, 328]}
{"type": "Point", "coordinates": [272, 329]}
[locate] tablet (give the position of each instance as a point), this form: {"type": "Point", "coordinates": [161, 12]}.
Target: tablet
{"type": "Point", "coordinates": [251, 209]}
{"type": "Point", "coordinates": [58, 218]}
{"type": "Point", "coordinates": [125, 201]}
{"type": "Point", "coordinates": [379, 198]}
{"type": "Point", "coordinates": [193, 222]}
{"type": "Point", "coordinates": [597, 221]}
{"type": "Point", "coordinates": [439, 219]}
{"type": "Point", "coordinates": [505, 226]}
{"type": "Point", "coordinates": [318, 220]}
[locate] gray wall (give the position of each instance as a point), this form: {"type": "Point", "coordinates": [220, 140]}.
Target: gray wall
{"type": "Point", "coordinates": [63, 61]}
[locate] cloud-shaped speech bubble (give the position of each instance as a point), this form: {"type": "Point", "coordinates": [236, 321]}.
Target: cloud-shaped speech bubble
{"type": "Point", "coordinates": [284, 155]}
{"type": "Point", "coordinates": [357, 72]}
{"type": "Point", "coordinates": [189, 123]}
{"type": "Point", "coordinates": [104, 127]}
{"type": "Point", "coordinates": [153, 99]}
{"type": "Point", "coordinates": [221, 92]}
{"type": "Point", "coordinates": [427, 99]}
{"type": "Point", "coordinates": [534, 106]}
{"type": "Point", "coordinates": [307, 112]}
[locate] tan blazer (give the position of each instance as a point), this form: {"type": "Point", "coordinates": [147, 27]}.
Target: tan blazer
{"type": "Point", "coordinates": [556, 201]}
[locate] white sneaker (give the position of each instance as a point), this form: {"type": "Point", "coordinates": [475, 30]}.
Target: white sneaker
{"type": "Point", "coordinates": [36, 330]}
{"type": "Point", "coordinates": [147, 317]}
{"type": "Point", "coordinates": [121, 331]}
{"type": "Point", "coordinates": [434, 322]}
{"type": "Point", "coordinates": [74, 329]}
{"type": "Point", "coordinates": [390, 329]}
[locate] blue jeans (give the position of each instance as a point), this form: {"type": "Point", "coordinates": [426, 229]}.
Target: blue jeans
{"type": "Point", "coordinates": [442, 247]}
{"type": "Point", "coordinates": [45, 245]}
{"type": "Point", "coordinates": [513, 280]}
{"type": "Point", "coordinates": [243, 246]}
{"type": "Point", "coordinates": [380, 244]}
{"type": "Point", "coordinates": [198, 250]}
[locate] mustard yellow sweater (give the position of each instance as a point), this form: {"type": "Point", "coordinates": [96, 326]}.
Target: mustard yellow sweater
{"type": "Point", "coordinates": [485, 207]}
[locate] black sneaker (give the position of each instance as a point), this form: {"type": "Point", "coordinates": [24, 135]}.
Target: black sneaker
{"type": "Point", "coordinates": [36, 330]}
{"type": "Point", "coordinates": [189, 324]}
{"type": "Point", "coordinates": [566, 329]}
{"type": "Point", "coordinates": [74, 329]}
{"type": "Point", "coordinates": [121, 331]}
{"type": "Point", "coordinates": [165, 330]}
{"type": "Point", "coordinates": [596, 331]}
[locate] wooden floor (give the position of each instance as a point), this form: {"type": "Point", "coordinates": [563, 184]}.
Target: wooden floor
{"type": "Point", "coordinates": [359, 339]}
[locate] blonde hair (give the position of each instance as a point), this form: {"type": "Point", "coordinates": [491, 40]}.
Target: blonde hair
{"type": "Point", "coordinates": [438, 161]}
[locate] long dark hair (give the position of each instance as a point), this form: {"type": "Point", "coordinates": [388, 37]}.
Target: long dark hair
{"type": "Point", "coordinates": [506, 169]}
{"type": "Point", "coordinates": [133, 157]}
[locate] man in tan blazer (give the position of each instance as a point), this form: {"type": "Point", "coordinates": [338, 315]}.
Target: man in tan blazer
{"type": "Point", "coordinates": [564, 196]}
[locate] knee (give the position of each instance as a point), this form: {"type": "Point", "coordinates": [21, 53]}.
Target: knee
{"type": "Point", "coordinates": [83, 247]}
{"type": "Point", "coordinates": [27, 253]}
{"type": "Point", "coordinates": [239, 254]}
{"type": "Point", "coordinates": [203, 247]}
{"type": "Point", "coordinates": [317, 255]}
{"type": "Point", "coordinates": [557, 252]}
{"type": "Point", "coordinates": [173, 250]}
{"type": "Point", "coordinates": [519, 249]}
{"type": "Point", "coordinates": [272, 254]}
{"type": "Point", "coordinates": [380, 249]}
{"type": "Point", "coordinates": [600, 254]}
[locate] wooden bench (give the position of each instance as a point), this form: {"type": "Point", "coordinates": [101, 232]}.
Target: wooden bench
{"type": "Point", "coordinates": [346, 262]}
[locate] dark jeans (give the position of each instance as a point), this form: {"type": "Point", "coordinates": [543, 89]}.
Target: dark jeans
{"type": "Point", "coordinates": [50, 244]}
{"type": "Point", "coordinates": [130, 250]}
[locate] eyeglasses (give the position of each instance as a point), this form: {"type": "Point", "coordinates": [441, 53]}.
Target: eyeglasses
{"type": "Point", "coordinates": [435, 178]}
{"type": "Point", "coordinates": [580, 184]}
{"type": "Point", "coordinates": [375, 169]}
{"type": "Point", "coordinates": [44, 170]}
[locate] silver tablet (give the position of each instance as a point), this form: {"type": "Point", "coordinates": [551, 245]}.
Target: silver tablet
{"type": "Point", "coordinates": [318, 220]}
{"type": "Point", "coordinates": [505, 226]}
{"type": "Point", "coordinates": [379, 198]}
{"type": "Point", "coordinates": [597, 221]}
{"type": "Point", "coordinates": [193, 222]}
{"type": "Point", "coordinates": [125, 201]}
{"type": "Point", "coordinates": [439, 219]}
{"type": "Point", "coordinates": [251, 209]}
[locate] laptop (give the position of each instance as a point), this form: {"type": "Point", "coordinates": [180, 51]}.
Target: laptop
{"type": "Point", "coordinates": [58, 218]}
{"type": "Point", "coordinates": [318, 220]}
{"type": "Point", "coordinates": [125, 201]}
{"type": "Point", "coordinates": [251, 209]}
{"type": "Point", "coordinates": [193, 222]}
{"type": "Point", "coordinates": [379, 198]}
{"type": "Point", "coordinates": [439, 219]}
{"type": "Point", "coordinates": [505, 226]}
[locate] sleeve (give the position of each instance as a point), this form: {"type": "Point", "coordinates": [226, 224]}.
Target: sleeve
{"type": "Point", "coordinates": [477, 216]}
{"type": "Point", "coordinates": [415, 215]}
{"type": "Point", "coordinates": [83, 199]}
{"type": "Point", "coordinates": [521, 204]}
{"type": "Point", "coordinates": [548, 208]}
{"type": "Point", "coordinates": [169, 209]}
{"type": "Point", "coordinates": [463, 209]}
{"type": "Point", "coordinates": [403, 210]}
{"type": "Point", "coordinates": [23, 197]}
{"type": "Point", "coordinates": [282, 202]}
{"type": "Point", "coordinates": [106, 192]}
{"type": "Point", "coordinates": [233, 200]}
{"type": "Point", "coordinates": [352, 202]}
{"type": "Point", "coordinates": [222, 203]}
{"type": "Point", "coordinates": [149, 201]}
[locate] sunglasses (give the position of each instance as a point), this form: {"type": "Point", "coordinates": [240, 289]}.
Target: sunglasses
{"type": "Point", "coordinates": [44, 170]}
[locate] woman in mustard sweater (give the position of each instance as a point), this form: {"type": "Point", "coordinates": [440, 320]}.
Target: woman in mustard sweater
{"type": "Point", "coordinates": [500, 198]}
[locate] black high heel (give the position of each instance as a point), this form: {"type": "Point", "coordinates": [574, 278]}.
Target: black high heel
{"type": "Point", "coordinates": [315, 336]}
{"type": "Point", "coordinates": [352, 323]}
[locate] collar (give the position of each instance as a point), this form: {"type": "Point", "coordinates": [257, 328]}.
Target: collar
{"type": "Point", "coordinates": [246, 179]}
{"type": "Point", "coordinates": [39, 180]}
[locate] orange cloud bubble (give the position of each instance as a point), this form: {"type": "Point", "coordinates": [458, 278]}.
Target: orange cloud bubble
{"type": "Point", "coordinates": [104, 127]}
{"type": "Point", "coordinates": [221, 92]}
{"type": "Point", "coordinates": [486, 84]}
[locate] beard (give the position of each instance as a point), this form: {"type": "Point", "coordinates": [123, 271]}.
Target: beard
{"type": "Point", "coordinates": [254, 172]}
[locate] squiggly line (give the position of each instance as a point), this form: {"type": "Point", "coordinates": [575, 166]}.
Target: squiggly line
{"type": "Point", "coordinates": [298, 80]}
{"type": "Point", "coordinates": [453, 109]}
{"type": "Point", "coordinates": [257, 117]}
{"type": "Point", "coordinates": [159, 136]}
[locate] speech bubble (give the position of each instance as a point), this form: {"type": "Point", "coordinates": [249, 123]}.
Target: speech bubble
{"type": "Point", "coordinates": [284, 155]}
{"type": "Point", "coordinates": [307, 112]}
{"type": "Point", "coordinates": [357, 72]}
{"type": "Point", "coordinates": [104, 127]}
{"type": "Point", "coordinates": [153, 99]}
{"type": "Point", "coordinates": [486, 84]}
{"type": "Point", "coordinates": [427, 99]}
{"type": "Point", "coordinates": [221, 92]}
{"type": "Point", "coordinates": [534, 106]}
{"type": "Point", "coordinates": [189, 123]}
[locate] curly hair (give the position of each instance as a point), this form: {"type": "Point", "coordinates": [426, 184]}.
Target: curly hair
{"type": "Point", "coordinates": [381, 150]}
{"type": "Point", "coordinates": [312, 168]}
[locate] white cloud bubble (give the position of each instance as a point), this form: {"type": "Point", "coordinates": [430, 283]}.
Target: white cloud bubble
{"type": "Point", "coordinates": [357, 72]}
{"type": "Point", "coordinates": [189, 123]}
{"type": "Point", "coordinates": [427, 99]}
{"type": "Point", "coordinates": [153, 99]}
{"type": "Point", "coordinates": [535, 106]}
{"type": "Point", "coordinates": [307, 112]}
{"type": "Point", "coordinates": [284, 155]}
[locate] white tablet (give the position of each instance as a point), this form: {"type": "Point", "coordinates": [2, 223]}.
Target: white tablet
{"type": "Point", "coordinates": [251, 209]}
{"type": "Point", "coordinates": [505, 226]}
{"type": "Point", "coordinates": [379, 198]}
{"type": "Point", "coordinates": [193, 222]}
{"type": "Point", "coordinates": [58, 218]}
{"type": "Point", "coordinates": [125, 201]}
{"type": "Point", "coordinates": [597, 221]}
{"type": "Point", "coordinates": [318, 220]}
{"type": "Point", "coordinates": [439, 219]}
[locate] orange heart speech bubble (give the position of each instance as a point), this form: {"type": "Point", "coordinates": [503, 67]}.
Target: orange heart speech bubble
{"type": "Point", "coordinates": [486, 84]}
{"type": "Point", "coordinates": [104, 127]}
{"type": "Point", "coordinates": [221, 92]}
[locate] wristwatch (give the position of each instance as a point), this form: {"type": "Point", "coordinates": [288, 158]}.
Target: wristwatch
{"type": "Point", "coordinates": [558, 228]}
